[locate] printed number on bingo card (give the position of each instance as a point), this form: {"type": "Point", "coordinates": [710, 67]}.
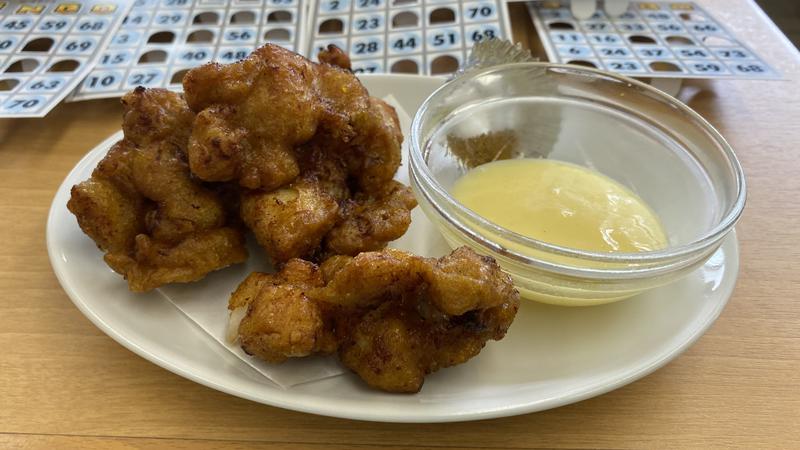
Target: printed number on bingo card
{"type": "Point", "coordinates": [362, 4]}
{"type": "Point", "coordinates": [239, 35]}
{"type": "Point", "coordinates": [230, 56]}
{"type": "Point", "coordinates": [114, 59]}
{"type": "Point", "coordinates": [78, 45]}
{"type": "Point", "coordinates": [169, 19]}
{"type": "Point", "coordinates": [652, 52]}
{"type": "Point", "coordinates": [628, 66]}
{"type": "Point", "coordinates": [479, 35]}
{"type": "Point", "coordinates": [7, 43]}
{"type": "Point", "coordinates": [23, 104]}
{"type": "Point", "coordinates": [630, 27]}
{"type": "Point", "coordinates": [405, 43]}
{"type": "Point", "coordinates": [367, 47]}
{"type": "Point", "coordinates": [45, 85]}
{"type": "Point", "coordinates": [53, 25]}
{"type": "Point", "coordinates": [104, 81]}
{"type": "Point", "coordinates": [706, 67]}
{"type": "Point", "coordinates": [195, 55]}
{"type": "Point", "coordinates": [17, 25]}
{"type": "Point", "coordinates": [479, 12]}
{"type": "Point", "coordinates": [444, 39]}
{"type": "Point", "coordinates": [366, 68]}
{"type": "Point", "coordinates": [598, 26]}
{"type": "Point", "coordinates": [730, 54]}
{"type": "Point", "coordinates": [368, 23]}
{"type": "Point", "coordinates": [750, 68]}
{"type": "Point", "coordinates": [92, 25]}
{"type": "Point", "coordinates": [335, 5]}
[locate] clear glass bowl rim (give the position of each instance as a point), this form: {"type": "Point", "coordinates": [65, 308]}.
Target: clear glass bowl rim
{"type": "Point", "coordinates": [420, 171]}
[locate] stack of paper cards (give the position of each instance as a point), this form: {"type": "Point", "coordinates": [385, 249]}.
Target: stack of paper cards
{"type": "Point", "coordinates": [161, 40]}
{"type": "Point", "coordinates": [47, 48]}
{"type": "Point", "coordinates": [650, 39]}
{"type": "Point", "coordinates": [104, 48]}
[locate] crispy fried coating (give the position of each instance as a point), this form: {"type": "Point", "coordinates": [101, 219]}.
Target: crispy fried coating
{"type": "Point", "coordinates": [295, 151]}
{"type": "Point", "coordinates": [315, 155]}
{"type": "Point", "coordinates": [290, 222]}
{"type": "Point", "coordinates": [299, 220]}
{"type": "Point", "coordinates": [252, 115]}
{"type": "Point", "coordinates": [156, 115]}
{"type": "Point", "coordinates": [378, 142]}
{"type": "Point", "coordinates": [323, 165]}
{"type": "Point", "coordinates": [141, 206]}
{"type": "Point", "coordinates": [108, 207]}
{"type": "Point", "coordinates": [392, 317]}
{"type": "Point", "coordinates": [290, 325]}
{"type": "Point", "coordinates": [372, 220]}
{"type": "Point", "coordinates": [155, 263]}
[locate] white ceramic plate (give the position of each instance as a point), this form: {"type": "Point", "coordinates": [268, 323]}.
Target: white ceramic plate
{"type": "Point", "coordinates": [552, 356]}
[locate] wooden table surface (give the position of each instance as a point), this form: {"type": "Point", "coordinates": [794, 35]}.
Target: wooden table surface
{"type": "Point", "coordinates": [64, 384]}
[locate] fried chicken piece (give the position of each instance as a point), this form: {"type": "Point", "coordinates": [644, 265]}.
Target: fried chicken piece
{"type": "Point", "coordinates": [155, 224]}
{"type": "Point", "coordinates": [455, 283]}
{"type": "Point", "coordinates": [393, 317]}
{"type": "Point", "coordinates": [251, 116]}
{"type": "Point", "coordinates": [156, 115]}
{"type": "Point", "coordinates": [372, 220]}
{"type": "Point", "coordinates": [290, 324]}
{"type": "Point", "coordinates": [314, 153]}
{"type": "Point", "coordinates": [290, 222]}
{"type": "Point", "coordinates": [317, 214]}
{"type": "Point", "coordinates": [108, 207]}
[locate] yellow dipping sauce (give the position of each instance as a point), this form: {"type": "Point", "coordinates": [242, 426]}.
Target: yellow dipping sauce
{"type": "Point", "coordinates": [561, 203]}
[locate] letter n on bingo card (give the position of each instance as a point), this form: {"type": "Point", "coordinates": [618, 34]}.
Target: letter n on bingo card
{"type": "Point", "coordinates": [406, 36]}
{"type": "Point", "coordinates": [48, 47]}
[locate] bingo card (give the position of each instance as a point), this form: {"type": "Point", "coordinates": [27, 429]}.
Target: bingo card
{"type": "Point", "coordinates": [406, 36]}
{"type": "Point", "coordinates": [650, 39]}
{"type": "Point", "coordinates": [48, 47]}
{"type": "Point", "coordinates": [160, 40]}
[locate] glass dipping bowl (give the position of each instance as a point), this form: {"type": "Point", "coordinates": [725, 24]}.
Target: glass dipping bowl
{"type": "Point", "coordinates": [637, 135]}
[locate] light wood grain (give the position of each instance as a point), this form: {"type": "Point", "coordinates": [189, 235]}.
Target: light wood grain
{"type": "Point", "coordinates": [64, 384]}
{"type": "Point", "coordinates": [76, 442]}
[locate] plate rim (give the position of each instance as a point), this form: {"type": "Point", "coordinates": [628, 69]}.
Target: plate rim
{"type": "Point", "coordinates": [279, 397]}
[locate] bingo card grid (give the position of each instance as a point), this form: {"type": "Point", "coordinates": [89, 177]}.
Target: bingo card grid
{"type": "Point", "coordinates": [48, 47]}
{"type": "Point", "coordinates": [407, 36]}
{"type": "Point", "coordinates": [161, 40]}
{"type": "Point", "coordinates": [651, 39]}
